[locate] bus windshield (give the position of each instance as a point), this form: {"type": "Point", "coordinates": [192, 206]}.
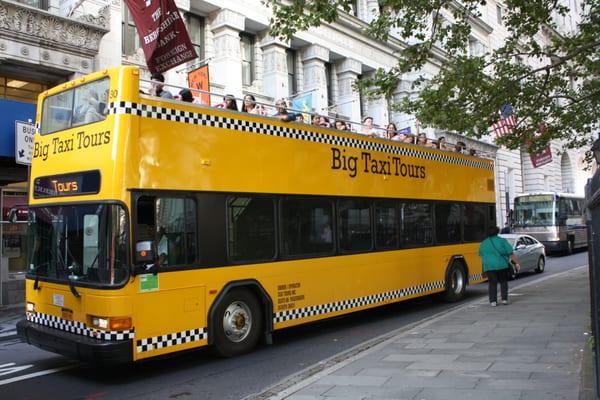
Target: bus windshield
{"type": "Point", "coordinates": [78, 106]}
{"type": "Point", "coordinates": [535, 210]}
{"type": "Point", "coordinates": [83, 244]}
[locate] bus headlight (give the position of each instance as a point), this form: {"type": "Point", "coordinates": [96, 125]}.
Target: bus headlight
{"type": "Point", "coordinates": [111, 323]}
{"type": "Point", "coordinates": [30, 307]}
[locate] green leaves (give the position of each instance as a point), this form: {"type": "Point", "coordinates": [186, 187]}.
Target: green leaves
{"type": "Point", "coordinates": [549, 75]}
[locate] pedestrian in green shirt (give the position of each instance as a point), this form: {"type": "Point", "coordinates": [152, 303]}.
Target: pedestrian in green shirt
{"type": "Point", "coordinates": [495, 252]}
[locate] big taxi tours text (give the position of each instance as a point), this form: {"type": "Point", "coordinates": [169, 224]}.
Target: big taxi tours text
{"type": "Point", "coordinates": [369, 164]}
{"type": "Point", "coordinates": [77, 141]}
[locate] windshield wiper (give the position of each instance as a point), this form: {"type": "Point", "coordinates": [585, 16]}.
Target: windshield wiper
{"type": "Point", "coordinates": [36, 283]}
{"type": "Point", "coordinates": [70, 268]}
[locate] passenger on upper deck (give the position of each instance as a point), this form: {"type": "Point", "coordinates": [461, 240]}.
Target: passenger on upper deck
{"type": "Point", "coordinates": [282, 112]}
{"type": "Point", "coordinates": [186, 95]}
{"type": "Point", "coordinates": [158, 81]}
{"type": "Point", "coordinates": [324, 122]}
{"type": "Point", "coordinates": [368, 128]}
{"type": "Point", "coordinates": [442, 144]}
{"type": "Point", "coordinates": [249, 105]}
{"type": "Point", "coordinates": [391, 130]}
{"type": "Point", "coordinates": [228, 103]}
{"type": "Point", "coordinates": [460, 147]}
{"type": "Point", "coordinates": [340, 125]}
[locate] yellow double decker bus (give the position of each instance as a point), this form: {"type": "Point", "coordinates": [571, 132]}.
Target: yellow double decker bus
{"type": "Point", "coordinates": [157, 226]}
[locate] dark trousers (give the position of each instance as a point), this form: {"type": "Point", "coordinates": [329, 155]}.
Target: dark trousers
{"type": "Point", "coordinates": [500, 275]}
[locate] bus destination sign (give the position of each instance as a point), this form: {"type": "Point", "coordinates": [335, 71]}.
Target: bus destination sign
{"type": "Point", "coordinates": [72, 184]}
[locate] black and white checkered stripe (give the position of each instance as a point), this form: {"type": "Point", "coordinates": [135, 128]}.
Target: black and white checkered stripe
{"type": "Point", "coordinates": [476, 277]}
{"type": "Point", "coordinates": [319, 309]}
{"type": "Point", "coordinates": [78, 328]}
{"type": "Point", "coordinates": [291, 132]}
{"type": "Point", "coordinates": [170, 339]}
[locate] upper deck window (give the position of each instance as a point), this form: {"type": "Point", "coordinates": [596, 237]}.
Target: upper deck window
{"type": "Point", "coordinates": [78, 106]}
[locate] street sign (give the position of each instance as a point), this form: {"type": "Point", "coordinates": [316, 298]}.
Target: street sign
{"type": "Point", "coordinates": [24, 132]}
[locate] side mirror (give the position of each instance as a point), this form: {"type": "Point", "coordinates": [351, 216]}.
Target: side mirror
{"type": "Point", "coordinates": [12, 215]}
{"type": "Point", "coordinates": [145, 254]}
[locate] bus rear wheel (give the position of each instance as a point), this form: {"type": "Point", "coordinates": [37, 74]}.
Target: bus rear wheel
{"type": "Point", "coordinates": [237, 323]}
{"type": "Point", "coordinates": [456, 283]}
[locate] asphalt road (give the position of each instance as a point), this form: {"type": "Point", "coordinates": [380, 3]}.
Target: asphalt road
{"type": "Point", "coordinates": [29, 373]}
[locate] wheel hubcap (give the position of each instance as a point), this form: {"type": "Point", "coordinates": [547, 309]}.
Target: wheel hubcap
{"type": "Point", "coordinates": [237, 321]}
{"type": "Point", "coordinates": [541, 264]}
{"type": "Point", "coordinates": [457, 281]}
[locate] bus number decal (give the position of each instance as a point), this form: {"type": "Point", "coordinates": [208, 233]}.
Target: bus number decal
{"type": "Point", "coordinates": [288, 295]}
{"type": "Point", "coordinates": [368, 164]}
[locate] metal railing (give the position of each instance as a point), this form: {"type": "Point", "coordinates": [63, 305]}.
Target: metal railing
{"type": "Point", "coordinates": [353, 126]}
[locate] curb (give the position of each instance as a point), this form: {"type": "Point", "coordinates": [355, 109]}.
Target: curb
{"type": "Point", "coordinates": [309, 375]}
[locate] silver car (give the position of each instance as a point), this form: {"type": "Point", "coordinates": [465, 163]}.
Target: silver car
{"type": "Point", "coordinates": [529, 251]}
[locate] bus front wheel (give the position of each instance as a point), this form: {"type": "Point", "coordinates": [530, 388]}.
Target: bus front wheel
{"type": "Point", "coordinates": [456, 282]}
{"type": "Point", "coordinates": [237, 323]}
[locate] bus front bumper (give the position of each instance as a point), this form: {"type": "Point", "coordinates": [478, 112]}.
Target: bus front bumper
{"type": "Point", "coordinates": [555, 246]}
{"type": "Point", "coordinates": [76, 346]}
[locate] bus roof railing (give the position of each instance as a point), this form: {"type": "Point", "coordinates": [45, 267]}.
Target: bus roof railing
{"type": "Point", "coordinates": [381, 133]}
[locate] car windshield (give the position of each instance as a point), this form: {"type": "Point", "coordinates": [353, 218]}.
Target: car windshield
{"type": "Point", "coordinates": [83, 244]}
{"type": "Point", "coordinates": [535, 210]}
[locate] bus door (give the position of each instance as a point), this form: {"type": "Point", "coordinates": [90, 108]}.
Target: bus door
{"type": "Point", "coordinates": [169, 303]}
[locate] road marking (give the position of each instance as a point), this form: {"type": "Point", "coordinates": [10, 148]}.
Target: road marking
{"type": "Point", "coordinates": [35, 374]}
{"type": "Point", "coordinates": [11, 368]}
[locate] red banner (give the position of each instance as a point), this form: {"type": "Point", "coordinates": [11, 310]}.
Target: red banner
{"type": "Point", "coordinates": [198, 79]}
{"type": "Point", "coordinates": [542, 158]}
{"type": "Point", "coordinates": [163, 36]}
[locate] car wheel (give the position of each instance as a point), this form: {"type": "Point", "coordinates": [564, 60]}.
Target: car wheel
{"type": "Point", "coordinates": [456, 283]}
{"type": "Point", "coordinates": [237, 323]}
{"type": "Point", "coordinates": [541, 265]}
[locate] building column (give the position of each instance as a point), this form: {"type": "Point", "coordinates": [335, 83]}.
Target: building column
{"type": "Point", "coordinates": [314, 58]}
{"type": "Point", "coordinates": [226, 66]}
{"type": "Point", "coordinates": [348, 98]}
{"type": "Point", "coordinates": [275, 73]}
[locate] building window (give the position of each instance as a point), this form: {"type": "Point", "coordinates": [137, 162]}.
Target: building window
{"type": "Point", "coordinates": [247, 45]}
{"type": "Point", "coordinates": [41, 4]}
{"type": "Point", "coordinates": [499, 14]}
{"type": "Point", "coordinates": [195, 28]}
{"type": "Point", "coordinates": [329, 81]}
{"type": "Point", "coordinates": [291, 71]}
{"type": "Point", "coordinates": [476, 48]}
{"type": "Point", "coordinates": [20, 90]}
{"type": "Point", "coordinates": [130, 41]}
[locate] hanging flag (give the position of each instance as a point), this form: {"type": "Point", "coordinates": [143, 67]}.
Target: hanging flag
{"type": "Point", "coordinates": [545, 156]}
{"type": "Point", "coordinates": [303, 103]}
{"type": "Point", "coordinates": [542, 158]}
{"type": "Point", "coordinates": [199, 79]}
{"type": "Point", "coordinates": [504, 125]}
{"type": "Point", "coordinates": [163, 36]}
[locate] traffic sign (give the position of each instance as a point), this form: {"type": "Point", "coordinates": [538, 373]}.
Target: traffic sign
{"type": "Point", "coordinates": [24, 132]}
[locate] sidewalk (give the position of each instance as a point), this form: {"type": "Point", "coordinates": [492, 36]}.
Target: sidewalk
{"type": "Point", "coordinates": [530, 349]}
{"type": "Point", "coordinates": [8, 321]}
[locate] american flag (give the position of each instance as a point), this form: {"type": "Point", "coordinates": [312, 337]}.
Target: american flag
{"type": "Point", "coordinates": [504, 125]}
